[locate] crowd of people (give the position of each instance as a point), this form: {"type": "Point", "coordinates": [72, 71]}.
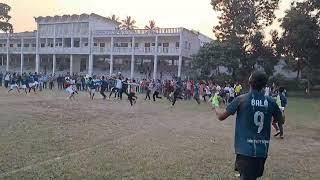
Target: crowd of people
{"type": "Point", "coordinates": [257, 104]}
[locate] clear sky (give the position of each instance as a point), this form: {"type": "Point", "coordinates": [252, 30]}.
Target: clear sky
{"type": "Point", "coordinates": [192, 14]}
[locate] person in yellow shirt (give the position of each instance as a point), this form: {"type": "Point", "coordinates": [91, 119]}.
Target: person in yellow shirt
{"type": "Point", "coordinates": [237, 89]}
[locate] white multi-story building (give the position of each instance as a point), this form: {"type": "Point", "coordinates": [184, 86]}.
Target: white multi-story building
{"type": "Point", "coordinates": [93, 44]}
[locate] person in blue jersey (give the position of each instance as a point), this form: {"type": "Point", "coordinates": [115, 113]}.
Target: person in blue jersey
{"type": "Point", "coordinates": [253, 126]}
{"type": "Point", "coordinates": [92, 88]}
{"type": "Point", "coordinates": [24, 83]}
{"type": "Point", "coordinates": [31, 84]}
{"type": "Point", "coordinates": [177, 91]}
{"type": "Point", "coordinates": [117, 87]}
{"type": "Point", "coordinates": [157, 90]}
{"type": "Point", "coordinates": [104, 86]}
{"type": "Point", "coordinates": [132, 92]}
{"type": "Point", "coordinates": [196, 95]}
{"type": "Point", "coordinates": [36, 79]}
{"type": "Point", "coordinates": [13, 84]}
{"type": "Point", "coordinates": [281, 101]}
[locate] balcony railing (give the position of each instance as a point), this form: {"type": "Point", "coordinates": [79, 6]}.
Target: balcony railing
{"type": "Point", "coordinates": [101, 50]}
{"type": "Point", "coordinates": [145, 50]}
{"type": "Point", "coordinates": [29, 49]}
{"type": "Point", "coordinates": [3, 49]}
{"type": "Point", "coordinates": [15, 49]}
{"type": "Point", "coordinates": [122, 50]}
{"type": "Point", "coordinates": [168, 50]}
{"type": "Point", "coordinates": [137, 32]}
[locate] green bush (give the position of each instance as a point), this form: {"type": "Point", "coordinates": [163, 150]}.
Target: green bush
{"type": "Point", "coordinates": [290, 84]}
{"type": "Point", "coordinates": [222, 79]}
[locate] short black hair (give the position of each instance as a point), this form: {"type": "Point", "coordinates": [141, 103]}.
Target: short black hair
{"type": "Point", "coordinates": [258, 80]}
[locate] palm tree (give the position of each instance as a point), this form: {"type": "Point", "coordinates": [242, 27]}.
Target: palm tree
{"type": "Point", "coordinates": [128, 23]}
{"type": "Point", "coordinates": [151, 25]}
{"type": "Point", "coordinates": [114, 18]}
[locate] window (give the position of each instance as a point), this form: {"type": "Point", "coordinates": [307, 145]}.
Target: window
{"type": "Point", "coordinates": [51, 45]}
{"type": "Point", "coordinates": [102, 45]}
{"type": "Point", "coordinates": [159, 44]}
{"type": "Point", "coordinates": [42, 45]}
{"type": "Point", "coordinates": [86, 44]}
{"type": "Point", "coordinates": [67, 42]}
{"type": "Point", "coordinates": [25, 45]}
{"type": "Point", "coordinates": [34, 45]}
{"type": "Point", "coordinates": [19, 45]}
{"type": "Point", "coordinates": [153, 44]}
{"type": "Point", "coordinates": [0, 45]}
{"type": "Point", "coordinates": [147, 45]}
{"type": "Point", "coordinates": [95, 44]}
{"type": "Point", "coordinates": [186, 44]}
{"type": "Point", "coordinates": [124, 44]}
{"type": "Point", "coordinates": [136, 45]}
{"type": "Point", "coordinates": [177, 44]}
{"type": "Point", "coordinates": [189, 46]}
{"type": "Point", "coordinates": [11, 45]}
{"type": "Point", "coordinates": [76, 43]}
{"type": "Point", "coordinates": [165, 44]}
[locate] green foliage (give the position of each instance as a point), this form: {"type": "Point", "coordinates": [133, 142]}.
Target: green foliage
{"type": "Point", "coordinates": [215, 54]}
{"type": "Point", "coordinates": [242, 23]}
{"type": "Point", "coordinates": [5, 26]}
{"type": "Point", "coordinates": [222, 79]}
{"type": "Point", "coordinates": [290, 84]}
{"type": "Point", "coordinates": [301, 37]}
{"type": "Point", "coordinates": [128, 23]}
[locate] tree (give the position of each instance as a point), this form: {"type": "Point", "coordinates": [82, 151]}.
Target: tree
{"type": "Point", "coordinates": [5, 26]}
{"type": "Point", "coordinates": [128, 23]}
{"type": "Point", "coordinates": [215, 54]}
{"type": "Point", "coordinates": [151, 25]}
{"type": "Point", "coordinates": [301, 36]}
{"type": "Point", "coordinates": [243, 22]}
{"type": "Point", "coordinates": [114, 18]}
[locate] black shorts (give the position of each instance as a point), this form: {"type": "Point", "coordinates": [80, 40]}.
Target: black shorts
{"type": "Point", "coordinates": [249, 167]}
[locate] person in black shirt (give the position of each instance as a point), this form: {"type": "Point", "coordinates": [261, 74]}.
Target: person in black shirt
{"type": "Point", "coordinates": [104, 86]}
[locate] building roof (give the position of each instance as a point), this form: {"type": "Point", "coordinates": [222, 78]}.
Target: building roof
{"type": "Point", "coordinates": [73, 18]}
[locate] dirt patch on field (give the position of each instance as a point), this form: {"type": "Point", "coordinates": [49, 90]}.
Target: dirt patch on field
{"type": "Point", "coordinates": [45, 136]}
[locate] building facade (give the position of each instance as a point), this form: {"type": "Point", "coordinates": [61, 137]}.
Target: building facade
{"type": "Point", "coordinates": [92, 44]}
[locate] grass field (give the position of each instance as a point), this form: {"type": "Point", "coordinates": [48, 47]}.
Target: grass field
{"type": "Point", "coordinates": [45, 136]}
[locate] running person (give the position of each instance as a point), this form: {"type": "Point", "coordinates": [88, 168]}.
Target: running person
{"type": "Point", "coordinates": [196, 95]}
{"type": "Point", "coordinates": [157, 90]}
{"type": "Point", "coordinates": [281, 101]}
{"type": "Point", "coordinates": [253, 126]}
{"type": "Point", "coordinates": [13, 84]}
{"type": "Point", "coordinates": [92, 88]}
{"type": "Point", "coordinates": [69, 89]}
{"type": "Point", "coordinates": [24, 83]}
{"type": "Point", "coordinates": [132, 94]}
{"type": "Point", "coordinates": [177, 91]}
{"type": "Point", "coordinates": [104, 86]}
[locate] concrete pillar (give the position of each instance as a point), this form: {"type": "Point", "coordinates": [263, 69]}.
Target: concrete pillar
{"type": "Point", "coordinates": [90, 69]}
{"type": "Point", "coordinates": [155, 62]}
{"type": "Point", "coordinates": [132, 58]}
{"type": "Point", "coordinates": [21, 63]}
{"type": "Point", "coordinates": [111, 56]}
{"type": "Point", "coordinates": [21, 57]}
{"type": "Point", "coordinates": [54, 62]}
{"type": "Point", "coordinates": [37, 52]}
{"type": "Point", "coordinates": [111, 64]}
{"type": "Point", "coordinates": [71, 64]}
{"type": "Point", "coordinates": [179, 66]}
{"type": "Point", "coordinates": [37, 63]}
{"type": "Point", "coordinates": [180, 52]}
{"type": "Point", "coordinates": [8, 55]}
